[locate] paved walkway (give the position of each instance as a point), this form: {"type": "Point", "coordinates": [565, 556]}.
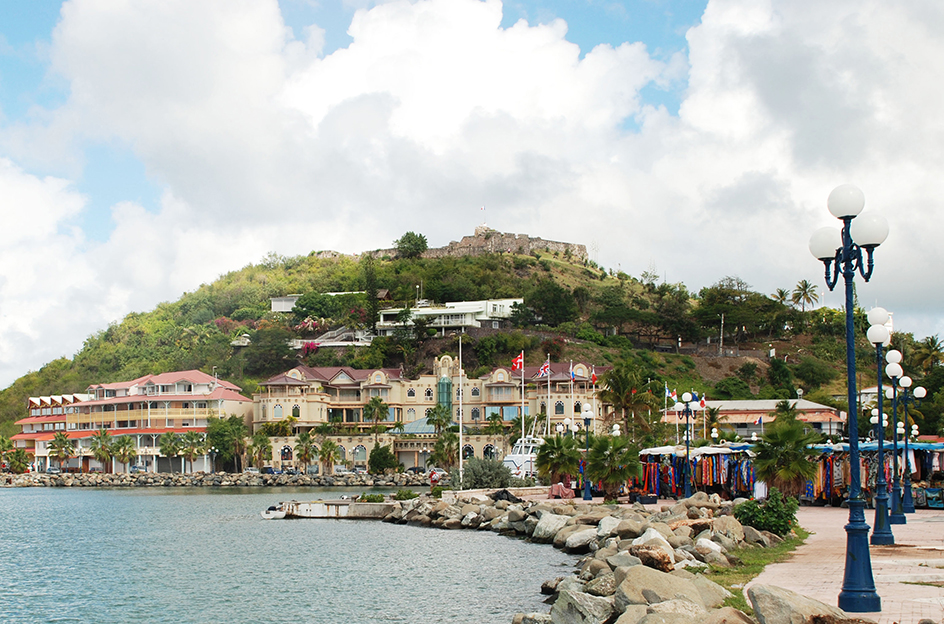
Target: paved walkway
{"type": "Point", "coordinates": [816, 568]}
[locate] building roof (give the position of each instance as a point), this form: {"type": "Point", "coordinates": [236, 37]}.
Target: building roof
{"type": "Point", "coordinates": [418, 426]}
{"type": "Point", "coordinates": [218, 394]}
{"type": "Point", "coordinates": [192, 376]}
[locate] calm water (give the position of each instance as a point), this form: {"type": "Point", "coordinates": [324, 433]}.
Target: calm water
{"type": "Point", "coordinates": [198, 555]}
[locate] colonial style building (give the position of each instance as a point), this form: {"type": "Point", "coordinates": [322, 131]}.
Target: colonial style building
{"type": "Point", "coordinates": [751, 416]}
{"type": "Point", "coordinates": [144, 408]}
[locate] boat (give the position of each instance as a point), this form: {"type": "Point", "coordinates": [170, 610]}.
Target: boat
{"type": "Point", "coordinates": [521, 460]}
{"type": "Point", "coordinates": [274, 512]}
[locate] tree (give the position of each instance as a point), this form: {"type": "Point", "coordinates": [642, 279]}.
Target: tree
{"type": "Point", "coordinates": [18, 460]}
{"type": "Point", "coordinates": [6, 446]}
{"type": "Point", "coordinates": [228, 436]}
{"type": "Point", "coordinates": [305, 448]}
{"type": "Point", "coordinates": [439, 417]}
{"type": "Point", "coordinates": [170, 444]}
{"type": "Point", "coordinates": [623, 388]}
{"type": "Point", "coordinates": [193, 444]}
{"type": "Point", "coordinates": [411, 245]}
{"type": "Point", "coordinates": [814, 372]}
{"type": "Point", "coordinates": [483, 473]}
{"type": "Point", "coordinates": [260, 449]}
{"type": "Point", "coordinates": [445, 452]}
{"type": "Point", "coordinates": [125, 450]}
{"type": "Point", "coordinates": [711, 417]}
{"type": "Point", "coordinates": [553, 303]}
{"type": "Point", "coordinates": [381, 460]}
{"type": "Point", "coordinates": [929, 353]}
{"type": "Point", "coordinates": [374, 411]}
{"type": "Point", "coordinates": [102, 448]}
{"type": "Point", "coordinates": [784, 456]}
{"type": "Point", "coordinates": [370, 290]}
{"type": "Point", "coordinates": [781, 296]}
{"type": "Point", "coordinates": [612, 460]}
{"type": "Point", "coordinates": [61, 448]}
{"type": "Point", "coordinates": [805, 293]}
{"type": "Point", "coordinates": [495, 426]}
{"type": "Point", "coordinates": [329, 455]}
{"type": "Point", "coordinates": [558, 456]}
{"type": "Point", "coordinates": [732, 388]}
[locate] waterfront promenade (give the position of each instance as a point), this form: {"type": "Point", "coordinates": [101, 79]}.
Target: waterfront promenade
{"type": "Point", "coordinates": [909, 576]}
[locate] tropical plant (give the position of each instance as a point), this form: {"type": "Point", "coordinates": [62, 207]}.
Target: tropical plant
{"type": "Point", "coordinates": [623, 388]}
{"type": "Point", "coordinates": [260, 448]}
{"type": "Point", "coordinates": [558, 456]}
{"type": "Point", "coordinates": [805, 294]}
{"type": "Point", "coordinates": [102, 449]}
{"type": "Point", "coordinates": [375, 411]}
{"type": "Point", "coordinates": [439, 417]}
{"type": "Point", "coordinates": [381, 460]}
{"type": "Point", "coordinates": [711, 418]}
{"type": "Point", "coordinates": [229, 436]}
{"type": "Point", "coordinates": [193, 444]}
{"type": "Point", "coordinates": [411, 245]}
{"type": "Point", "coordinates": [517, 427]}
{"type": "Point", "coordinates": [329, 454]}
{"type": "Point", "coordinates": [18, 460]}
{"type": "Point", "coordinates": [929, 353]}
{"type": "Point", "coordinates": [483, 473]}
{"type": "Point", "coordinates": [6, 446]}
{"type": "Point", "coordinates": [784, 456]}
{"type": "Point", "coordinates": [61, 448]}
{"type": "Point", "coordinates": [612, 461]}
{"type": "Point", "coordinates": [305, 449]}
{"type": "Point", "coordinates": [445, 453]}
{"type": "Point", "coordinates": [125, 450]}
{"type": "Point", "coordinates": [170, 445]}
{"type": "Point", "coordinates": [777, 514]}
{"type": "Point", "coordinates": [782, 296]}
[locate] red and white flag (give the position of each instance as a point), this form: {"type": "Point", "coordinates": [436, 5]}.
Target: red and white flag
{"type": "Point", "coordinates": [593, 375]}
{"type": "Point", "coordinates": [545, 369]}
{"type": "Point", "coordinates": [517, 364]}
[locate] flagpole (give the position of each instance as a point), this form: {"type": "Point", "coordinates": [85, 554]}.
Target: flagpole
{"type": "Point", "coordinates": [593, 398]}
{"type": "Point", "coordinates": [460, 411]}
{"type": "Point", "coordinates": [573, 413]}
{"type": "Point", "coordinates": [547, 416]}
{"type": "Point", "coordinates": [522, 389]}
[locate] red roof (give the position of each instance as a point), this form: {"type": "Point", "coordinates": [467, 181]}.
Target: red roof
{"type": "Point", "coordinates": [44, 436]}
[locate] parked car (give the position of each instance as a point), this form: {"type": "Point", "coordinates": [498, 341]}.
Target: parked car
{"type": "Point", "coordinates": [290, 471]}
{"type": "Point", "coordinates": [313, 470]}
{"type": "Point", "coordinates": [416, 470]}
{"type": "Point", "coordinates": [252, 470]}
{"type": "Point", "coordinates": [137, 469]}
{"type": "Point", "coordinates": [442, 472]}
{"type": "Point", "coordinates": [54, 470]}
{"type": "Point", "coordinates": [270, 470]}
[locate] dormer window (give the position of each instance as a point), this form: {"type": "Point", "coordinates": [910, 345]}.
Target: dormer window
{"type": "Point", "coordinates": [411, 393]}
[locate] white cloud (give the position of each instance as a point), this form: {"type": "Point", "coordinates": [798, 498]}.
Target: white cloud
{"type": "Point", "coordinates": [263, 143]}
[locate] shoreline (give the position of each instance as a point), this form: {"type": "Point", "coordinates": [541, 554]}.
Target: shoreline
{"type": "Point", "coordinates": [209, 479]}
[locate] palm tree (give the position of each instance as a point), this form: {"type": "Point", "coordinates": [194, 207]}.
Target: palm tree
{"type": "Point", "coordinates": [623, 388]}
{"type": "Point", "coordinates": [235, 439]}
{"type": "Point", "coordinates": [516, 428]}
{"type": "Point", "coordinates": [374, 411]}
{"type": "Point", "coordinates": [61, 448]}
{"type": "Point", "coordinates": [6, 446]}
{"type": "Point", "coordinates": [125, 450]}
{"type": "Point", "coordinates": [192, 445]}
{"type": "Point", "coordinates": [782, 296]}
{"type": "Point", "coordinates": [169, 444]}
{"type": "Point", "coordinates": [439, 417]}
{"type": "Point", "coordinates": [329, 454]}
{"type": "Point", "coordinates": [496, 427]}
{"type": "Point", "coordinates": [260, 448]}
{"type": "Point", "coordinates": [558, 456]}
{"type": "Point", "coordinates": [805, 293]}
{"type": "Point", "coordinates": [18, 460]}
{"type": "Point", "coordinates": [929, 353]}
{"type": "Point", "coordinates": [445, 452]}
{"type": "Point", "coordinates": [305, 448]}
{"type": "Point", "coordinates": [612, 460]}
{"type": "Point", "coordinates": [785, 457]}
{"type": "Point", "coordinates": [102, 449]}
{"type": "Point", "coordinates": [712, 418]}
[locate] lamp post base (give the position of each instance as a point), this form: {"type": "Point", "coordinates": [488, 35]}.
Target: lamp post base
{"type": "Point", "coordinates": [907, 502]}
{"type": "Point", "coordinates": [896, 516]}
{"type": "Point", "coordinates": [858, 593]}
{"type": "Point", "coordinates": [882, 533]}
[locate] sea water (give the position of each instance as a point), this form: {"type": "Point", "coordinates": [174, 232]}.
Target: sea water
{"type": "Point", "coordinates": [206, 555]}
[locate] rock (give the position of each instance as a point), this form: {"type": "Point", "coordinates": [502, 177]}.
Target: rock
{"type": "Point", "coordinates": [753, 536]}
{"type": "Point", "coordinates": [579, 608]}
{"type": "Point", "coordinates": [653, 557]}
{"type": "Point", "coordinates": [650, 535]}
{"type": "Point", "coordinates": [622, 560]}
{"type": "Point", "coordinates": [571, 584]}
{"type": "Point", "coordinates": [712, 594]}
{"type": "Point", "coordinates": [561, 538]}
{"type": "Point", "coordinates": [727, 615]}
{"type": "Point", "coordinates": [679, 605]}
{"type": "Point", "coordinates": [630, 528]}
{"type": "Point", "coordinates": [605, 552]}
{"type": "Point", "coordinates": [683, 531]}
{"type": "Point", "coordinates": [632, 614]}
{"type": "Point", "coordinates": [547, 527]}
{"type": "Point", "coordinates": [726, 542]}
{"type": "Point", "coordinates": [531, 618]}
{"type": "Point", "coordinates": [593, 569]}
{"type": "Point", "coordinates": [676, 542]}
{"type": "Point", "coordinates": [579, 541]}
{"type": "Point", "coordinates": [662, 528]}
{"type": "Point", "coordinates": [705, 546]}
{"type": "Point", "coordinates": [717, 559]}
{"type": "Point", "coordinates": [602, 585]}
{"type": "Point", "coordinates": [729, 525]}
{"type": "Point", "coordinates": [607, 526]}
{"type": "Point", "coordinates": [775, 605]}
{"type": "Point", "coordinates": [549, 588]}
{"type": "Point", "coordinates": [668, 618]}
{"type": "Point", "coordinates": [661, 585]}
{"type": "Point", "coordinates": [773, 537]}
{"type": "Point", "coordinates": [688, 564]}
{"type": "Point", "coordinates": [516, 515]}
{"type": "Point", "coordinates": [469, 508]}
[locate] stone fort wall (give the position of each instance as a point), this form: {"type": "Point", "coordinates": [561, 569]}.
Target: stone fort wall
{"type": "Point", "coordinates": [486, 240]}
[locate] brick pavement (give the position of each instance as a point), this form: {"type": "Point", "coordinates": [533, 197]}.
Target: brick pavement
{"type": "Point", "coordinates": [816, 568]}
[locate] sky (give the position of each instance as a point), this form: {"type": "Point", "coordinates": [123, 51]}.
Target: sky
{"type": "Point", "coordinates": [149, 147]}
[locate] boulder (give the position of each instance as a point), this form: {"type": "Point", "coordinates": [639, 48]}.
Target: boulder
{"type": "Point", "coordinates": [631, 528]}
{"type": "Point", "coordinates": [653, 557]}
{"type": "Point", "coordinates": [580, 608]}
{"type": "Point", "coordinates": [547, 527]}
{"type": "Point", "coordinates": [729, 525]}
{"type": "Point", "coordinates": [579, 541]}
{"type": "Point", "coordinates": [593, 569]}
{"type": "Point", "coordinates": [549, 588]}
{"type": "Point", "coordinates": [516, 515]}
{"type": "Point", "coordinates": [622, 560]}
{"type": "Point", "coordinates": [704, 546]}
{"type": "Point", "coordinates": [531, 618]}
{"type": "Point", "coordinates": [603, 585]}
{"type": "Point", "coordinates": [727, 615]}
{"type": "Point", "coordinates": [650, 535]}
{"type": "Point", "coordinates": [712, 594]}
{"type": "Point", "coordinates": [773, 537]}
{"type": "Point", "coordinates": [679, 605]}
{"type": "Point", "coordinates": [561, 538]}
{"type": "Point", "coordinates": [659, 585]}
{"type": "Point", "coordinates": [571, 584]}
{"type": "Point", "coordinates": [753, 536]}
{"type": "Point", "coordinates": [668, 618]}
{"type": "Point", "coordinates": [775, 605]}
{"type": "Point", "coordinates": [632, 614]}
{"type": "Point", "coordinates": [607, 526]}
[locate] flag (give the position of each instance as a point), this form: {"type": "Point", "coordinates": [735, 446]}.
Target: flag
{"type": "Point", "coordinates": [674, 396]}
{"type": "Point", "coordinates": [759, 420]}
{"type": "Point", "coordinates": [634, 391]}
{"type": "Point", "coordinates": [701, 402]}
{"type": "Point", "coordinates": [593, 375]}
{"type": "Point", "coordinates": [667, 393]}
{"type": "Point", "coordinates": [572, 376]}
{"type": "Point", "coordinates": [545, 370]}
{"type": "Point", "coordinates": [518, 363]}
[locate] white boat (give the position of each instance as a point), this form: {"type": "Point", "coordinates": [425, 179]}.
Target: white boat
{"type": "Point", "coordinates": [521, 460]}
{"type": "Point", "coordinates": [274, 512]}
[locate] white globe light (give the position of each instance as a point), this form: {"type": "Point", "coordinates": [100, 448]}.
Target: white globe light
{"type": "Point", "coordinates": [687, 397]}
{"type": "Point", "coordinates": [567, 422]}
{"type": "Point", "coordinates": [893, 356]}
{"type": "Point", "coordinates": [874, 420]}
{"type": "Point", "coordinates": [869, 230]}
{"type": "Point", "coordinates": [893, 370]}
{"type": "Point", "coordinates": [878, 334]}
{"type": "Point", "coordinates": [877, 316]}
{"type": "Point", "coordinates": [824, 242]}
{"type": "Point", "coordinates": [845, 201]}
{"type": "Point", "coordinates": [889, 393]}
{"type": "Point", "coordinates": [905, 382]}
{"type": "Point", "coordinates": [920, 392]}
{"type": "Point", "coordinates": [679, 407]}
{"type": "Point", "coordinates": [875, 412]}
{"type": "Point", "coordinates": [587, 411]}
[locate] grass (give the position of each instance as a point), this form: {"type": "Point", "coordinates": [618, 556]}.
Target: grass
{"type": "Point", "coordinates": [753, 562]}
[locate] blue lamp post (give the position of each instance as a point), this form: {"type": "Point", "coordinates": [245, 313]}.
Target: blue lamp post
{"type": "Point", "coordinates": [587, 414]}
{"type": "Point", "coordinates": [879, 336]}
{"type": "Point", "coordinates": [893, 370]}
{"type": "Point", "coordinates": [843, 253]}
{"type": "Point", "coordinates": [913, 397]}
{"type": "Point", "coordinates": [686, 408]}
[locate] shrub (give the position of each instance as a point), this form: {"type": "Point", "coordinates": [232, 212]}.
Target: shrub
{"type": "Point", "coordinates": [777, 514]}
{"type": "Point", "coordinates": [404, 495]}
{"type": "Point", "coordinates": [371, 498]}
{"type": "Point", "coordinates": [437, 491]}
{"type": "Point", "coordinates": [381, 459]}
{"type": "Point", "coordinates": [483, 473]}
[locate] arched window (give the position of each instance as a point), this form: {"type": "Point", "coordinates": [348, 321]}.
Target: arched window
{"type": "Point", "coordinates": [543, 409]}
{"type": "Point", "coordinates": [286, 453]}
{"type": "Point", "coordinates": [296, 411]}
{"type": "Point", "coordinates": [475, 392]}
{"type": "Point", "coordinates": [559, 407]}
{"type": "Point", "coordinates": [428, 394]}
{"type": "Point", "coordinates": [428, 410]}
{"type": "Point", "coordinates": [577, 407]}
{"type": "Point", "coordinates": [468, 451]}
{"type": "Point", "coordinates": [475, 413]}
{"type": "Point", "coordinates": [263, 411]}
{"type": "Point", "coordinates": [342, 453]}
{"type": "Point", "coordinates": [359, 454]}
{"type": "Point", "coordinates": [411, 393]}
{"type": "Point", "coordinates": [378, 378]}
{"type": "Point", "coordinates": [458, 393]}
{"type": "Point", "coordinates": [489, 452]}
{"type": "Point", "coordinates": [277, 412]}
{"type": "Point", "coordinates": [411, 414]}
{"type": "Point", "coordinates": [500, 376]}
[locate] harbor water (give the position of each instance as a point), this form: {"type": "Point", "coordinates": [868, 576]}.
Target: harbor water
{"type": "Point", "coordinates": [206, 555]}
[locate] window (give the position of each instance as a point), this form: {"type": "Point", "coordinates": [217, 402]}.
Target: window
{"type": "Point", "coordinates": [577, 407]}
{"type": "Point", "coordinates": [296, 411]}
{"type": "Point", "coordinates": [428, 394]}
{"type": "Point", "coordinates": [411, 393]}
{"type": "Point", "coordinates": [378, 378]}
{"type": "Point", "coordinates": [411, 414]}
{"type": "Point", "coordinates": [458, 393]}
{"type": "Point", "coordinates": [475, 413]}
{"type": "Point", "coordinates": [559, 407]}
{"type": "Point", "coordinates": [475, 392]}
{"type": "Point", "coordinates": [489, 452]}
{"type": "Point", "coordinates": [500, 376]}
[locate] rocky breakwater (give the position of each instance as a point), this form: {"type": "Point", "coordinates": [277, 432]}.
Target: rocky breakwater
{"type": "Point", "coordinates": [216, 479]}
{"type": "Point", "coordinates": [638, 566]}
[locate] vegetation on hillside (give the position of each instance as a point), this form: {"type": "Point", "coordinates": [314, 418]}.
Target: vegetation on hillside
{"type": "Point", "coordinates": [571, 310]}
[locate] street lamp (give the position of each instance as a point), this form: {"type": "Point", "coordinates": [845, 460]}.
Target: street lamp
{"type": "Point", "coordinates": [685, 408]}
{"type": "Point", "coordinates": [913, 397]}
{"type": "Point", "coordinates": [842, 251]}
{"type": "Point", "coordinates": [893, 370]}
{"type": "Point", "coordinates": [567, 428]}
{"type": "Point", "coordinates": [212, 451]}
{"type": "Point", "coordinates": [879, 336]}
{"type": "Point", "coordinates": [587, 414]}
{"type": "Point", "coordinates": [714, 435]}
{"type": "Point", "coordinates": [559, 428]}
